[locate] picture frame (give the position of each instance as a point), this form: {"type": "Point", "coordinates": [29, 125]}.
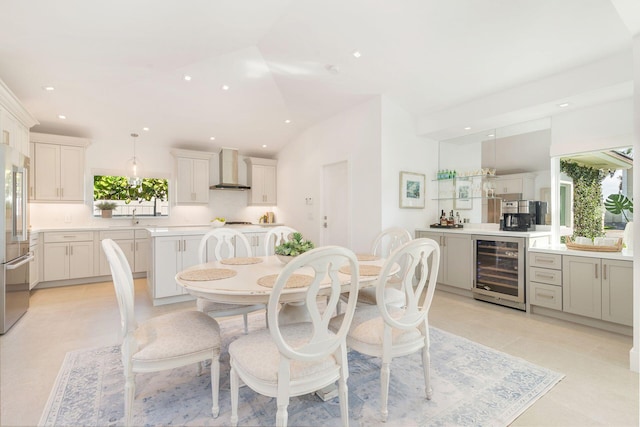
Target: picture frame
{"type": "Point", "coordinates": [463, 198]}
{"type": "Point", "coordinates": [412, 190]}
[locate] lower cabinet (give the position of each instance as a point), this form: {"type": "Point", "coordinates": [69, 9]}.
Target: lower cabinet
{"type": "Point", "coordinates": [170, 255]}
{"type": "Point", "coordinates": [134, 245]}
{"type": "Point", "coordinates": [256, 241]}
{"type": "Point", "coordinates": [71, 260]}
{"type": "Point", "coordinates": [597, 288]}
{"type": "Point", "coordinates": [456, 258]}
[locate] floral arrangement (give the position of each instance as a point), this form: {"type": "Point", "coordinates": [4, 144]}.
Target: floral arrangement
{"type": "Point", "coordinates": [296, 246]}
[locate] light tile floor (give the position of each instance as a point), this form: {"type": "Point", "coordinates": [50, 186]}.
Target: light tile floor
{"type": "Point", "coordinates": [598, 389]}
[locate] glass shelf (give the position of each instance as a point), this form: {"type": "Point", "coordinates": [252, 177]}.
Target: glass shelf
{"type": "Point", "coordinates": [469, 198]}
{"type": "Point", "coordinates": [465, 178]}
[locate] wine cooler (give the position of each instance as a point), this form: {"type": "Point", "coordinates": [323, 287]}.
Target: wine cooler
{"type": "Point", "coordinates": [499, 270]}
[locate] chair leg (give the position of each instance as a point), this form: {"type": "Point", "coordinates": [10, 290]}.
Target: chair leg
{"type": "Point", "coordinates": [282, 415]}
{"type": "Point", "coordinates": [426, 366]}
{"type": "Point", "coordinates": [233, 379]}
{"type": "Point", "coordinates": [343, 393]}
{"type": "Point", "coordinates": [246, 323]}
{"type": "Point", "coordinates": [385, 373]}
{"type": "Point", "coordinates": [215, 385]}
{"type": "Point", "coordinates": [129, 394]}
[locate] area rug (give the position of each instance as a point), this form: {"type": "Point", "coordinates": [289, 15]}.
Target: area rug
{"type": "Point", "coordinates": [473, 385]}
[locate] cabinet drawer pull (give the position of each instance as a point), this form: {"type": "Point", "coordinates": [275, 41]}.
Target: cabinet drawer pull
{"type": "Point", "coordinates": [544, 275]}
{"type": "Point", "coordinates": [542, 295]}
{"type": "Point", "coordinates": [596, 270]}
{"type": "Point", "coordinates": [184, 245]}
{"type": "Point", "coordinates": [548, 260]}
{"type": "Point", "coordinates": [604, 272]}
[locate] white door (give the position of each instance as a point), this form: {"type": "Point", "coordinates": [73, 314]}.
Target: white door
{"type": "Point", "coordinates": [335, 204]}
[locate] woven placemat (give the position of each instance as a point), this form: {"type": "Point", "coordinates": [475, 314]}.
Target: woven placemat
{"type": "Point", "coordinates": [294, 281]}
{"type": "Point", "coordinates": [367, 257]}
{"type": "Point", "coordinates": [365, 270]}
{"type": "Point", "coordinates": [241, 261]}
{"type": "Point", "coordinates": [208, 274]}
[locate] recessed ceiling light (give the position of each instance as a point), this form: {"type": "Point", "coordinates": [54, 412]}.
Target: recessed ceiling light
{"type": "Point", "coordinates": [356, 54]}
{"type": "Point", "coordinates": [61, 117]}
{"type": "Point", "coordinates": [48, 88]}
{"type": "Point", "coordinates": [187, 77]}
{"type": "Point", "coordinates": [467, 128]}
{"type": "Point", "coordinates": [264, 145]}
{"type": "Point", "coordinates": [225, 87]}
{"type": "Point", "coordinates": [564, 104]}
{"type": "Point", "coordinates": [490, 135]}
{"type": "Point", "coordinates": [145, 129]}
{"type": "Point", "coordinates": [213, 138]}
{"type": "Point", "coordinates": [287, 121]}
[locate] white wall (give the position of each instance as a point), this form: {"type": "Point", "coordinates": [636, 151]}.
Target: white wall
{"type": "Point", "coordinates": [354, 136]}
{"type": "Point", "coordinates": [596, 128]}
{"type": "Point", "coordinates": [403, 150]}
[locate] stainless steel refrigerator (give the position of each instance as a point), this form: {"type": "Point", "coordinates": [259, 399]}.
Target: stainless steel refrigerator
{"type": "Point", "coordinates": [14, 246]}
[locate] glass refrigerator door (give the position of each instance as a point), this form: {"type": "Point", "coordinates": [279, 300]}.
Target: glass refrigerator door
{"type": "Point", "coordinates": [497, 267]}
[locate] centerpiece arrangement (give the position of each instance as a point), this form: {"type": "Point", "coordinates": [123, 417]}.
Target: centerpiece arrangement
{"type": "Point", "coordinates": [292, 248]}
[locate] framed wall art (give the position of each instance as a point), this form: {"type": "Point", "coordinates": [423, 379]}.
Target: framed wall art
{"type": "Point", "coordinates": [412, 190]}
{"type": "Point", "coordinates": [463, 195]}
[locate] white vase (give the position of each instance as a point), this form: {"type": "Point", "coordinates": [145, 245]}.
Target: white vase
{"type": "Point", "coordinates": [627, 238]}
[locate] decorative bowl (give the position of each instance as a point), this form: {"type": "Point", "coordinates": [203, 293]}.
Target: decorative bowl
{"type": "Point", "coordinates": [285, 258]}
{"type": "Point", "coordinates": [217, 224]}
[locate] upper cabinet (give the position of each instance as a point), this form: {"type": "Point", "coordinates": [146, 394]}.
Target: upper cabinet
{"type": "Point", "coordinates": [523, 184]}
{"type": "Point", "coordinates": [192, 176]}
{"type": "Point", "coordinates": [15, 121]}
{"type": "Point", "coordinates": [58, 168]}
{"type": "Point", "coordinates": [262, 179]}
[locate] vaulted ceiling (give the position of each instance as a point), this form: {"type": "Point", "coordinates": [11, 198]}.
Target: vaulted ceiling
{"type": "Point", "coordinates": [119, 66]}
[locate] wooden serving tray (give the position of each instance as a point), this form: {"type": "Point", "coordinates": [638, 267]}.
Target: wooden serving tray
{"type": "Point", "coordinates": [593, 248]}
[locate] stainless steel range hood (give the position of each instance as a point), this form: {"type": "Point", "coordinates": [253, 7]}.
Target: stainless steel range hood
{"type": "Point", "coordinates": [229, 171]}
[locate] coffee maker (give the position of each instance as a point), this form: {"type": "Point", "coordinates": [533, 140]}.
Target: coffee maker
{"type": "Point", "coordinates": [518, 215]}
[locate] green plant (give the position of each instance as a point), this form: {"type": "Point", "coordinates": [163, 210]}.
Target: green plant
{"type": "Point", "coordinates": [106, 206]}
{"type": "Point", "coordinates": [295, 246]}
{"type": "Point", "coordinates": [619, 203]}
{"type": "Point", "coordinates": [587, 198]}
{"type": "Point", "coordinates": [118, 188]}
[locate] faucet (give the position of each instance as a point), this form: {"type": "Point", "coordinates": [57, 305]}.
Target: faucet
{"type": "Point", "coordinates": [133, 218]}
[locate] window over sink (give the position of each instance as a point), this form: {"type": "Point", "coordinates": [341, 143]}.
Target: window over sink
{"type": "Point", "coordinates": [116, 194]}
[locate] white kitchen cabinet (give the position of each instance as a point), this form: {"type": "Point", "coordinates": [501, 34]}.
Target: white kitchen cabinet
{"type": "Point", "coordinates": [172, 254]}
{"type": "Point", "coordinates": [456, 258]}
{"type": "Point", "coordinates": [192, 172]}
{"type": "Point", "coordinates": [141, 251]}
{"type": "Point", "coordinates": [15, 121]}
{"type": "Point", "coordinates": [34, 266]}
{"type": "Point", "coordinates": [545, 280]}
{"type": "Point", "coordinates": [581, 286]}
{"type": "Point", "coordinates": [517, 183]}
{"type": "Point", "coordinates": [68, 255]}
{"type": "Point", "coordinates": [124, 239]}
{"type": "Point", "coordinates": [262, 179]}
{"type": "Point", "coordinates": [617, 291]}
{"type": "Point", "coordinates": [58, 168]}
{"type": "Point", "coordinates": [256, 241]}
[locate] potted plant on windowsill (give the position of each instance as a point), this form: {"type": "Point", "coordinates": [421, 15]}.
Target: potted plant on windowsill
{"type": "Point", "coordinates": [292, 248]}
{"type": "Point", "coordinates": [106, 208]}
{"type": "Point", "coordinates": [617, 204]}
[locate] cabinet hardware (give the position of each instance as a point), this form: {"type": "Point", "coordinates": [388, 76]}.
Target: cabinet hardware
{"type": "Point", "coordinates": [62, 192]}
{"type": "Point", "coordinates": [68, 237]}
{"type": "Point", "coordinates": [179, 242]}
{"type": "Point", "coordinates": [71, 250]}
{"type": "Point", "coordinates": [596, 270]}
{"type": "Point", "coordinates": [66, 250]}
{"type": "Point", "coordinates": [184, 245]}
{"type": "Point", "coordinates": [546, 276]}
{"type": "Point", "coordinates": [541, 295]}
{"type": "Point", "coordinates": [604, 272]}
{"type": "Point", "coordinates": [136, 247]}
{"type": "Point", "coordinates": [540, 259]}
{"type": "Point", "coordinates": [57, 192]}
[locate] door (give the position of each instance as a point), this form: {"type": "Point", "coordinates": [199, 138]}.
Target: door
{"type": "Point", "coordinates": [581, 286]}
{"type": "Point", "coordinates": [335, 204]}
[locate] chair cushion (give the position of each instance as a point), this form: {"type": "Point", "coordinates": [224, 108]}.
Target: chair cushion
{"type": "Point", "coordinates": [176, 334]}
{"type": "Point", "coordinates": [367, 327]}
{"type": "Point", "coordinates": [258, 355]}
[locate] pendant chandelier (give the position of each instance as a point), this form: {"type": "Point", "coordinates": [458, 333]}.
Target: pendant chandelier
{"type": "Point", "coordinates": [134, 179]}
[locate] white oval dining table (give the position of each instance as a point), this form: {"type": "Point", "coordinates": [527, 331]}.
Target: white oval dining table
{"type": "Point", "coordinates": [243, 287]}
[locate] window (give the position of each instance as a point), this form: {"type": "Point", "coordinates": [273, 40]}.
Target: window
{"type": "Point", "coordinates": [150, 198]}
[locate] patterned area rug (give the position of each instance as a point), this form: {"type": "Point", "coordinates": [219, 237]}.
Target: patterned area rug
{"type": "Point", "coordinates": [472, 385]}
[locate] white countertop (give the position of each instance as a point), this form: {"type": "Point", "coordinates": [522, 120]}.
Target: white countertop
{"type": "Point", "coordinates": [487, 232]}
{"type": "Point", "coordinates": [165, 230]}
{"type": "Point", "coordinates": [624, 255]}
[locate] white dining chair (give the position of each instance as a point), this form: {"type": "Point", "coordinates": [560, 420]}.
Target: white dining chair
{"type": "Point", "coordinates": [300, 358]}
{"type": "Point", "coordinates": [164, 342]}
{"type": "Point", "coordinates": [384, 244]}
{"type": "Point", "coordinates": [276, 236]}
{"type": "Point", "coordinates": [385, 331]}
{"type": "Point", "coordinates": [216, 245]}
